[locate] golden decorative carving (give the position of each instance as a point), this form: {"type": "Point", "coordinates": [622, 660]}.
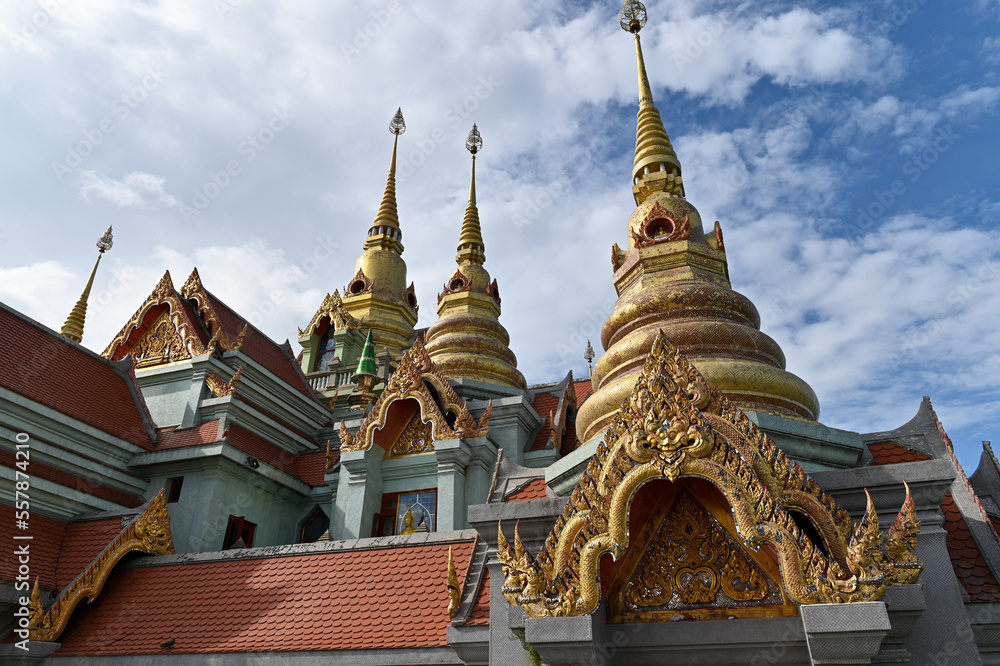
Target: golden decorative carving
{"type": "Point", "coordinates": [332, 307]}
{"type": "Point", "coordinates": [359, 284]}
{"type": "Point", "coordinates": [159, 344]}
{"type": "Point", "coordinates": [415, 438]}
{"type": "Point", "coordinates": [660, 225]}
{"type": "Point", "coordinates": [454, 591]}
{"type": "Point", "coordinates": [410, 380]}
{"type": "Point", "coordinates": [163, 294]}
{"type": "Point", "coordinates": [693, 556]}
{"type": "Point", "coordinates": [149, 533]}
{"type": "Point", "coordinates": [219, 387]}
{"type": "Point", "coordinates": [194, 290]}
{"type": "Point", "coordinates": [901, 544]}
{"type": "Point", "coordinates": [676, 425]}
{"type": "Point", "coordinates": [329, 457]}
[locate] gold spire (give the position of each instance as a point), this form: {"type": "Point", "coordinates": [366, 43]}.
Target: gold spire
{"type": "Point", "coordinates": [656, 167]}
{"type": "Point", "coordinates": [387, 219]}
{"type": "Point", "coordinates": [73, 328]}
{"type": "Point", "coordinates": [470, 244]}
{"type": "Point", "coordinates": [468, 341]}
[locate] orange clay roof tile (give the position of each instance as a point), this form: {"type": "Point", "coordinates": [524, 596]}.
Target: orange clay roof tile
{"type": "Point", "coordinates": [534, 489]}
{"type": "Point", "coordinates": [46, 368]}
{"type": "Point", "coordinates": [332, 600]}
{"type": "Point", "coordinates": [969, 564]}
{"type": "Point", "coordinates": [48, 533]}
{"type": "Point", "coordinates": [890, 453]}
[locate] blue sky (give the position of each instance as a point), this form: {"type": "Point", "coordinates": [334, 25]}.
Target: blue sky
{"type": "Point", "coordinates": [848, 150]}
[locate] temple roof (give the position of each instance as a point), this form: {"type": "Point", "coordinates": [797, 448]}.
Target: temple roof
{"type": "Point", "coordinates": [360, 594]}
{"type": "Point", "coordinates": [41, 365]}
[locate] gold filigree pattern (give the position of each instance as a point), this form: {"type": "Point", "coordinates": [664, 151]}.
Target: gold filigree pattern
{"type": "Point", "coordinates": [163, 294]}
{"type": "Point", "coordinates": [159, 344]}
{"type": "Point", "coordinates": [359, 284]}
{"type": "Point", "coordinates": [149, 533]}
{"type": "Point", "coordinates": [660, 225]}
{"type": "Point", "coordinates": [415, 438]}
{"type": "Point", "coordinates": [332, 307]}
{"type": "Point", "coordinates": [410, 380]}
{"type": "Point", "coordinates": [676, 425]}
{"type": "Point", "coordinates": [694, 557]}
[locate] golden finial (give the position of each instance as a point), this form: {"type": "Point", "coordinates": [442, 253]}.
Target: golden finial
{"type": "Point", "coordinates": [387, 220]}
{"type": "Point", "coordinates": [73, 328]}
{"type": "Point", "coordinates": [454, 591]}
{"type": "Point", "coordinates": [656, 167]}
{"type": "Point", "coordinates": [470, 244]}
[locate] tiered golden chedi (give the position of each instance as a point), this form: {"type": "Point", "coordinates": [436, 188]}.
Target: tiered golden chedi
{"type": "Point", "coordinates": [378, 295]}
{"type": "Point", "coordinates": [468, 341]}
{"type": "Point", "coordinates": [674, 277]}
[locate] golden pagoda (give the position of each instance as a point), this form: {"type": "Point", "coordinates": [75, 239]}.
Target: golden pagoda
{"type": "Point", "coordinates": [674, 277]}
{"type": "Point", "coordinates": [468, 341]}
{"type": "Point", "coordinates": [378, 295]}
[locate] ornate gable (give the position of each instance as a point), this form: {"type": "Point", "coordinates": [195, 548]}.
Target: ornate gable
{"type": "Point", "coordinates": [149, 532]}
{"type": "Point", "coordinates": [193, 290]}
{"type": "Point", "coordinates": [332, 307]}
{"type": "Point", "coordinates": [414, 378]}
{"type": "Point", "coordinates": [160, 331]}
{"type": "Point", "coordinates": [675, 427]}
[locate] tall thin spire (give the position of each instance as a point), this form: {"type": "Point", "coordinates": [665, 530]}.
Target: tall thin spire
{"type": "Point", "coordinates": [73, 328]}
{"type": "Point", "coordinates": [656, 167]}
{"type": "Point", "coordinates": [470, 244]}
{"type": "Point", "coordinates": [387, 219]}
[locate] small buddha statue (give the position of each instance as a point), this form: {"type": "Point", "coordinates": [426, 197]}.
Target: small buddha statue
{"type": "Point", "coordinates": [408, 521]}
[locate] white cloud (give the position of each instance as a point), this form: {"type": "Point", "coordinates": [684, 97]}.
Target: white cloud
{"type": "Point", "coordinates": [136, 190]}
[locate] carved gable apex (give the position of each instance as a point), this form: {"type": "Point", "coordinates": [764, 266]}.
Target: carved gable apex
{"type": "Point", "coordinates": [676, 426]}
{"type": "Point", "coordinates": [160, 331]}
{"type": "Point", "coordinates": [193, 290]}
{"type": "Point", "coordinates": [332, 307]}
{"type": "Point", "coordinates": [411, 379]}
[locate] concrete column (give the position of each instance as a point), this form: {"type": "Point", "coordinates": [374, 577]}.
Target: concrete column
{"type": "Point", "coordinates": [562, 641]}
{"type": "Point", "coordinates": [479, 472]}
{"type": "Point", "coordinates": [452, 457]}
{"type": "Point", "coordinates": [359, 493]}
{"type": "Point", "coordinates": [905, 604]}
{"type": "Point", "coordinates": [506, 649]}
{"type": "Point", "coordinates": [844, 633]}
{"type": "Point", "coordinates": [195, 393]}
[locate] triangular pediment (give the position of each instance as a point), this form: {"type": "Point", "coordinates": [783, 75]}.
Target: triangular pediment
{"type": "Point", "coordinates": [687, 563]}
{"type": "Point", "coordinates": [161, 331]}
{"type": "Point", "coordinates": [331, 310]}
{"type": "Point", "coordinates": [417, 378]}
